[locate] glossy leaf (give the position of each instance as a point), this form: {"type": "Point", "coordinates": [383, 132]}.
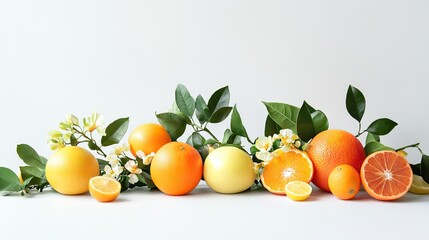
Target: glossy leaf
{"type": "Point", "coordinates": [201, 110]}
{"type": "Point", "coordinates": [355, 103]}
{"type": "Point", "coordinates": [284, 115]}
{"type": "Point", "coordinates": [219, 99]}
{"type": "Point", "coordinates": [416, 169]}
{"type": "Point", "coordinates": [271, 127]}
{"type": "Point", "coordinates": [310, 122]}
{"type": "Point", "coordinates": [37, 175]}
{"type": "Point", "coordinates": [184, 100]}
{"type": "Point", "coordinates": [375, 147]}
{"type": "Point", "coordinates": [115, 132]}
{"type": "Point", "coordinates": [381, 126]}
{"type": "Point", "coordinates": [9, 182]}
{"type": "Point", "coordinates": [102, 163]}
{"type": "Point", "coordinates": [372, 138]}
{"type": "Point", "coordinates": [237, 124]}
{"type": "Point", "coordinates": [228, 136]}
{"type": "Point", "coordinates": [30, 156]}
{"type": "Point", "coordinates": [173, 123]}
{"type": "Point", "coordinates": [424, 168]}
{"type": "Point", "coordinates": [220, 114]}
{"type": "Point", "coordinates": [196, 140]}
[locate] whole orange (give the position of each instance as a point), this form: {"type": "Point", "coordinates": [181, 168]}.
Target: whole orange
{"type": "Point", "coordinates": [176, 168]}
{"type": "Point", "coordinates": [344, 182]}
{"type": "Point", "coordinates": [331, 148]}
{"type": "Point", "coordinates": [148, 138]}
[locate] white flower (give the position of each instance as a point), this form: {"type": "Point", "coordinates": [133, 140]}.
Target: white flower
{"type": "Point", "coordinates": [72, 119]}
{"type": "Point", "coordinates": [56, 140]}
{"type": "Point", "coordinates": [146, 159]}
{"type": "Point", "coordinates": [120, 149]}
{"type": "Point", "coordinates": [113, 171]}
{"type": "Point", "coordinates": [133, 178]}
{"type": "Point", "coordinates": [113, 160]}
{"type": "Point", "coordinates": [288, 138]}
{"type": "Point", "coordinates": [264, 155]}
{"type": "Point", "coordinates": [94, 122]}
{"type": "Point", "coordinates": [264, 143]}
{"type": "Point", "coordinates": [132, 167]}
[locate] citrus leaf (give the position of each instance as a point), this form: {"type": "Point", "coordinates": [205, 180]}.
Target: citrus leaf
{"type": "Point", "coordinates": [416, 169]}
{"type": "Point", "coordinates": [30, 156]}
{"type": "Point", "coordinates": [184, 100]}
{"type": "Point", "coordinates": [236, 123]}
{"type": "Point", "coordinates": [101, 164]}
{"type": "Point", "coordinates": [310, 122]}
{"type": "Point", "coordinates": [372, 138]}
{"type": "Point", "coordinates": [9, 182]}
{"type": "Point", "coordinates": [375, 147]}
{"type": "Point", "coordinates": [173, 123]}
{"type": "Point", "coordinates": [284, 115]}
{"type": "Point", "coordinates": [201, 110]}
{"type": "Point", "coordinates": [196, 140]}
{"type": "Point", "coordinates": [381, 126]}
{"type": "Point", "coordinates": [227, 135]}
{"type": "Point", "coordinates": [219, 99]}
{"type": "Point", "coordinates": [271, 127]}
{"type": "Point", "coordinates": [149, 181]}
{"type": "Point", "coordinates": [220, 114]}
{"type": "Point", "coordinates": [424, 168]}
{"type": "Point", "coordinates": [37, 175]}
{"type": "Point", "coordinates": [115, 132]}
{"type": "Point", "coordinates": [355, 103]}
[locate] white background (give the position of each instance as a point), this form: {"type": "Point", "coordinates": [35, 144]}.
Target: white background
{"type": "Point", "coordinates": [125, 58]}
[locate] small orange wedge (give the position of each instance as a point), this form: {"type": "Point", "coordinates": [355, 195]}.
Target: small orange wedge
{"type": "Point", "coordinates": [386, 175]}
{"type": "Point", "coordinates": [104, 189]}
{"type": "Point", "coordinates": [284, 167]}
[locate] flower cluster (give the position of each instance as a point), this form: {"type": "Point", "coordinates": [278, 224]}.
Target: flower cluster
{"type": "Point", "coordinates": [265, 146]}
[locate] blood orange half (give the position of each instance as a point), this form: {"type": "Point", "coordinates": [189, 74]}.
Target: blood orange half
{"type": "Point", "coordinates": [386, 175]}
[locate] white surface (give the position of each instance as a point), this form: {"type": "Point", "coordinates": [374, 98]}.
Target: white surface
{"type": "Point", "coordinates": [124, 58]}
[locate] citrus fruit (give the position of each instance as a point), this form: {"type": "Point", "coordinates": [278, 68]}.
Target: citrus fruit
{"type": "Point", "coordinates": [344, 182]}
{"type": "Point", "coordinates": [386, 175]}
{"type": "Point", "coordinates": [331, 148]}
{"type": "Point", "coordinates": [228, 170]}
{"type": "Point", "coordinates": [298, 190]}
{"type": "Point", "coordinates": [69, 169]}
{"type": "Point", "coordinates": [419, 186]}
{"type": "Point", "coordinates": [104, 189]}
{"type": "Point", "coordinates": [176, 168]}
{"type": "Point", "coordinates": [148, 138]}
{"type": "Point", "coordinates": [285, 167]}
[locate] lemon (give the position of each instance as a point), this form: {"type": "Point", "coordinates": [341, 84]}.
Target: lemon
{"type": "Point", "coordinates": [419, 186]}
{"type": "Point", "coordinates": [104, 189]}
{"type": "Point", "coordinates": [298, 190]}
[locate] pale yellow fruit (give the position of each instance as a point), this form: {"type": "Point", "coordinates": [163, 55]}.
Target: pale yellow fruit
{"type": "Point", "coordinates": [419, 186]}
{"type": "Point", "coordinates": [229, 170]}
{"type": "Point", "coordinates": [298, 190]}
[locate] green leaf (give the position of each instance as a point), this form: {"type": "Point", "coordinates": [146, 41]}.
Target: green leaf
{"type": "Point", "coordinates": [416, 169]}
{"type": "Point", "coordinates": [236, 123]}
{"type": "Point", "coordinates": [37, 175]}
{"type": "Point", "coordinates": [102, 163]}
{"type": "Point", "coordinates": [375, 147]}
{"type": "Point", "coordinates": [227, 135]}
{"type": "Point", "coordinates": [93, 146]}
{"type": "Point", "coordinates": [196, 140]}
{"type": "Point", "coordinates": [381, 126]}
{"type": "Point", "coordinates": [30, 156]}
{"type": "Point", "coordinates": [284, 115]}
{"type": "Point", "coordinates": [424, 168]}
{"type": "Point", "coordinates": [219, 99]}
{"type": "Point", "coordinates": [372, 138]}
{"type": "Point", "coordinates": [73, 140]}
{"type": "Point", "coordinates": [310, 122]}
{"type": "Point", "coordinates": [271, 127]}
{"type": "Point", "coordinates": [173, 123]}
{"type": "Point", "coordinates": [9, 182]}
{"type": "Point", "coordinates": [184, 100]}
{"type": "Point", "coordinates": [115, 132]}
{"type": "Point", "coordinates": [220, 114]}
{"type": "Point", "coordinates": [149, 181]}
{"type": "Point", "coordinates": [355, 103]}
{"type": "Point", "coordinates": [201, 110]}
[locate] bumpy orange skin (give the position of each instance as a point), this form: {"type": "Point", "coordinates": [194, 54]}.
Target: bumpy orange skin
{"type": "Point", "coordinates": [176, 168]}
{"type": "Point", "coordinates": [331, 148]}
{"type": "Point", "coordinates": [148, 138]}
{"type": "Point", "coordinates": [344, 182]}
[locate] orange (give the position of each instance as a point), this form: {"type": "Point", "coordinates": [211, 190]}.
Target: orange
{"type": "Point", "coordinates": [104, 189]}
{"type": "Point", "coordinates": [69, 169]}
{"type": "Point", "coordinates": [331, 148]}
{"type": "Point", "coordinates": [386, 175]}
{"type": "Point", "coordinates": [148, 138]}
{"type": "Point", "coordinates": [284, 167]}
{"type": "Point", "coordinates": [176, 168]}
{"type": "Point", "coordinates": [344, 182]}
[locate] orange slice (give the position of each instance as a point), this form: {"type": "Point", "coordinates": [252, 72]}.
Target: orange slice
{"type": "Point", "coordinates": [104, 189]}
{"type": "Point", "coordinates": [386, 175]}
{"type": "Point", "coordinates": [284, 167]}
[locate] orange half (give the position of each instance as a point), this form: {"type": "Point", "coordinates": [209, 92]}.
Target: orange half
{"type": "Point", "coordinates": [386, 175]}
{"type": "Point", "coordinates": [284, 167]}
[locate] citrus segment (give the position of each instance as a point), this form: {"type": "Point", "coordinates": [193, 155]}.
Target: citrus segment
{"type": "Point", "coordinates": [386, 175]}
{"type": "Point", "coordinates": [298, 190]}
{"type": "Point", "coordinates": [285, 167]}
{"type": "Point", "coordinates": [419, 186]}
{"type": "Point", "coordinates": [331, 148]}
{"type": "Point", "coordinates": [344, 182]}
{"type": "Point", "coordinates": [104, 189]}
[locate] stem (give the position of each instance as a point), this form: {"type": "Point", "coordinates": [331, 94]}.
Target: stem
{"type": "Point", "coordinates": [90, 139]}
{"type": "Point", "coordinates": [416, 145]}
{"type": "Point", "coordinates": [360, 133]}
{"type": "Point", "coordinates": [211, 134]}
